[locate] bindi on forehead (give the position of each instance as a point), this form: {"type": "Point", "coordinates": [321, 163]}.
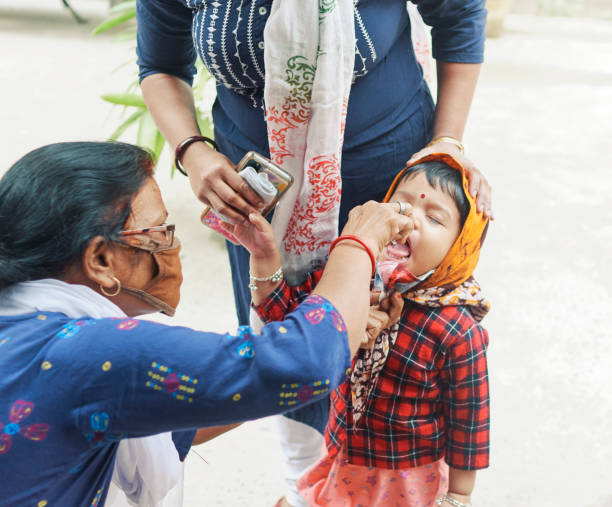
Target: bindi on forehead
{"type": "Point", "coordinates": [422, 196]}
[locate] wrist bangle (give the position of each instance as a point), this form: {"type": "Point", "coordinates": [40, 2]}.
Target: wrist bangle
{"type": "Point", "coordinates": [277, 276]}
{"type": "Point", "coordinates": [362, 243]}
{"type": "Point", "coordinates": [447, 139]}
{"type": "Point", "coordinates": [452, 501]}
{"type": "Point", "coordinates": [182, 148]}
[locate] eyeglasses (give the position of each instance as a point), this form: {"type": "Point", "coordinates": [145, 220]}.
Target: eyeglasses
{"type": "Point", "coordinates": [151, 239]}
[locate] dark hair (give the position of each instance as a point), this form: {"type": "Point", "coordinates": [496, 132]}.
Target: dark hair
{"type": "Point", "coordinates": [55, 199]}
{"type": "Point", "coordinates": [449, 180]}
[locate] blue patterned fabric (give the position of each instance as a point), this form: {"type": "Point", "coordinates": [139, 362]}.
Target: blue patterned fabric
{"type": "Point", "coordinates": [72, 389]}
{"type": "Point", "coordinates": [228, 37]}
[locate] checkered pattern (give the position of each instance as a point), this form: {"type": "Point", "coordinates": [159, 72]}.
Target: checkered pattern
{"type": "Point", "coordinates": [431, 400]}
{"type": "Point", "coordinates": [285, 298]}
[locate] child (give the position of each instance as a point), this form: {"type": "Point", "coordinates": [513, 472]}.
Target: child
{"type": "Point", "coordinates": [410, 426]}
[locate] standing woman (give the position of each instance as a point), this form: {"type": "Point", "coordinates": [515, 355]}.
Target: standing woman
{"type": "Point", "coordinates": [277, 66]}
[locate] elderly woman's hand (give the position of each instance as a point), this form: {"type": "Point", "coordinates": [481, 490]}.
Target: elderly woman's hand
{"type": "Point", "coordinates": [479, 186]}
{"type": "Point", "coordinates": [377, 224]}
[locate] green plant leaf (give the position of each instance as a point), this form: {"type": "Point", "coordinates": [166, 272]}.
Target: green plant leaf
{"type": "Point", "coordinates": [148, 136]}
{"type": "Point", "coordinates": [123, 6]}
{"type": "Point", "coordinates": [205, 124]}
{"type": "Point", "coordinates": [124, 126]}
{"type": "Point", "coordinates": [125, 99]}
{"type": "Point", "coordinates": [147, 133]}
{"type": "Point", "coordinates": [158, 146]}
{"type": "Point", "coordinates": [113, 22]}
{"type": "Point", "coordinates": [126, 35]}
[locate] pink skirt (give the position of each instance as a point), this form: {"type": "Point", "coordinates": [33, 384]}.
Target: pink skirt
{"type": "Point", "coordinates": [337, 483]}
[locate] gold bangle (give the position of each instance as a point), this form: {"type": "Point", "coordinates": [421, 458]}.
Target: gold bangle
{"type": "Point", "coordinates": [447, 139]}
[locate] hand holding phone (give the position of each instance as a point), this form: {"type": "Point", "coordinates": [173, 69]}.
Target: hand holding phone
{"type": "Point", "coordinates": [264, 177]}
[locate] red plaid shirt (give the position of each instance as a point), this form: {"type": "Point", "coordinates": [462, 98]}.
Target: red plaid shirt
{"type": "Point", "coordinates": [431, 399]}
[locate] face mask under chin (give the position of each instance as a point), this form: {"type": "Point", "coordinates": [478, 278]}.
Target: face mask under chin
{"type": "Point", "coordinates": [163, 291]}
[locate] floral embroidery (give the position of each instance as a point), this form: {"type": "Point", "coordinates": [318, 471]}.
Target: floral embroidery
{"type": "Point", "coordinates": [338, 322]}
{"type": "Point", "coordinates": [19, 411]}
{"type": "Point", "coordinates": [292, 394]}
{"type": "Point", "coordinates": [316, 315]}
{"type": "Point", "coordinates": [244, 331]}
{"type": "Point", "coordinates": [325, 7]}
{"type": "Point", "coordinates": [100, 422]}
{"type": "Point", "coordinates": [305, 393]}
{"type": "Point", "coordinates": [73, 327]}
{"type": "Point", "coordinates": [70, 329]}
{"type": "Point", "coordinates": [246, 349]}
{"type": "Point", "coordinates": [178, 385]}
{"type": "Point", "coordinates": [127, 325]}
{"type": "Point", "coordinates": [323, 175]}
{"type": "Point", "coordinates": [241, 333]}
{"type": "Point", "coordinates": [295, 109]}
{"type": "Point", "coordinates": [314, 299]}
{"type": "Point", "coordinates": [3, 339]}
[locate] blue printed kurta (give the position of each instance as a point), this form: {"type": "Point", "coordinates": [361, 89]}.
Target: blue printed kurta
{"type": "Point", "coordinates": [71, 389]}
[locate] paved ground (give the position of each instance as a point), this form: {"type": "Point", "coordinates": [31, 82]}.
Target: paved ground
{"type": "Point", "coordinates": [540, 128]}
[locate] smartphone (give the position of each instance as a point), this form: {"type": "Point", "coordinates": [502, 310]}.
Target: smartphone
{"type": "Point", "coordinates": [280, 179]}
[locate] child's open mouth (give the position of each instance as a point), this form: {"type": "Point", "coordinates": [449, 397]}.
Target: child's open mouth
{"type": "Point", "coordinates": [396, 251]}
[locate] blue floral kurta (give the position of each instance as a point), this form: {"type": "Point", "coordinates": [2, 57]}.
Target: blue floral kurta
{"type": "Point", "coordinates": [71, 389]}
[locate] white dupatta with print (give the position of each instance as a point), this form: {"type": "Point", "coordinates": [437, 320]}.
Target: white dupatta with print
{"type": "Point", "coordinates": [309, 56]}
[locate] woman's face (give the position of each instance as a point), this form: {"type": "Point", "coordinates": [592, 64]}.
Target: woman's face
{"type": "Point", "coordinates": [136, 268]}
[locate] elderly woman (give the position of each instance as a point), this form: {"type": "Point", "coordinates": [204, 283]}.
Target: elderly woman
{"type": "Point", "coordinates": [85, 248]}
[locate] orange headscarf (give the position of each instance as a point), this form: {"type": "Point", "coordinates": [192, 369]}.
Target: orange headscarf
{"type": "Point", "coordinates": [462, 258]}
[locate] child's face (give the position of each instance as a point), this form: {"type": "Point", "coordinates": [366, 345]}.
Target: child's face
{"type": "Point", "coordinates": [436, 224]}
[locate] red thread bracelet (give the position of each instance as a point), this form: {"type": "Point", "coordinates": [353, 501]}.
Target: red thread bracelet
{"type": "Point", "coordinates": [361, 242]}
{"type": "Point", "coordinates": [182, 148]}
